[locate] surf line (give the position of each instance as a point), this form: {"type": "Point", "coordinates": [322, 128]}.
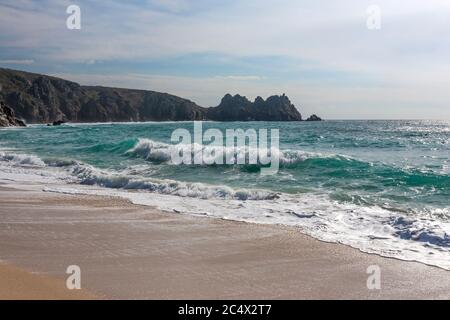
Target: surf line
{"type": "Point", "coordinates": [231, 149]}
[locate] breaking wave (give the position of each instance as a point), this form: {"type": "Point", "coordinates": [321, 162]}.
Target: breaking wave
{"type": "Point", "coordinates": [89, 175]}
{"type": "Point", "coordinates": [21, 159]}
{"type": "Point", "coordinates": [410, 235]}
{"type": "Point", "coordinates": [156, 151]}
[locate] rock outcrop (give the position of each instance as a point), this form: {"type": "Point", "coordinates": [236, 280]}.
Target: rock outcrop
{"type": "Point", "coordinates": [58, 123]}
{"type": "Point", "coordinates": [314, 118]}
{"type": "Point", "coordinates": [238, 108]}
{"type": "Point", "coordinates": [8, 118]}
{"type": "Point", "coordinates": [45, 99]}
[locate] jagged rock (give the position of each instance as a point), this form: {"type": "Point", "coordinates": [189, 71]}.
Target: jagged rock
{"type": "Point", "coordinates": [41, 99]}
{"type": "Point", "coordinates": [8, 118]}
{"type": "Point", "coordinates": [239, 108]}
{"type": "Point", "coordinates": [314, 118]}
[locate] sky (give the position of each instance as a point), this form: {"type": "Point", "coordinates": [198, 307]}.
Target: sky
{"type": "Point", "coordinates": [319, 53]}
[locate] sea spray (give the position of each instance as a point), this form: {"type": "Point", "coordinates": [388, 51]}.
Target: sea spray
{"type": "Point", "coordinates": [231, 149]}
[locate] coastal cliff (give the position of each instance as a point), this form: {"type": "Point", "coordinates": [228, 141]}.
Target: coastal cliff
{"type": "Point", "coordinates": [43, 99]}
{"type": "Point", "coordinates": [39, 98]}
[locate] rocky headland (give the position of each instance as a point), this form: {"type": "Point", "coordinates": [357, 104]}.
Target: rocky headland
{"type": "Point", "coordinates": [37, 98]}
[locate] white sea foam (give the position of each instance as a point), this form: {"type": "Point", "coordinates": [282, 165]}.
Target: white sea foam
{"type": "Point", "coordinates": [161, 152]}
{"type": "Point", "coordinates": [369, 229]}
{"type": "Point", "coordinates": [414, 237]}
{"type": "Point", "coordinates": [21, 159]}
{"type": "Point", "coordinates": [89, 175]}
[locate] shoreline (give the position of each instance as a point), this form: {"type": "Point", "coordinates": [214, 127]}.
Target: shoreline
{"type": "Point", "coordinates": [127, 251]}
{"type": "Point", "coordinates": [86, 193]}
{"type": "Point", "coordinates": [369, 219]}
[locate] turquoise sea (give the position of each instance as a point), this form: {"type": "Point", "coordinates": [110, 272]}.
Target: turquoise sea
{"type": "Point", "coordinates": [380, 186]}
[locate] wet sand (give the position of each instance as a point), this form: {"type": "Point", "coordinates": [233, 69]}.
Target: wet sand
{"type": "Point", "coordinates": [134, 252]}
{"type": "Point", "coordinates": [19, 284]}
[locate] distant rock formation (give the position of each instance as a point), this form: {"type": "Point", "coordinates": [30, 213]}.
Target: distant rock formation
{"type": "Point", "coordinates": [314, 118]}
{"type": "Point", "coordinates": [44, 99]}
{"type": "Point", "coordinates": [238, 108]}
{"type": "Point", "coordinates": [8, 118]}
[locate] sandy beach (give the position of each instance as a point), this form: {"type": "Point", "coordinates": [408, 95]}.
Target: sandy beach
{"type": "Point", "coordinates": [127, 251]}
{"type": "Point", "coordinates": [225, 150]}
{"type": "Point", "coordinates": [19, 284]}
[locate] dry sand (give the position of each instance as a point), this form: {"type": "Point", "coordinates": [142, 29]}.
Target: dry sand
{"type": "Point", "coordinates": [128, 251]}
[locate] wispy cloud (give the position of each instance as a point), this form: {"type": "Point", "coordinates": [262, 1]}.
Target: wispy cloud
{"type": "Point", "coordinates": [241, 78]}
{"type": "Point", "coordinates": [24, 62]}
{"type": "Point", "coordinates": [309, 46]}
